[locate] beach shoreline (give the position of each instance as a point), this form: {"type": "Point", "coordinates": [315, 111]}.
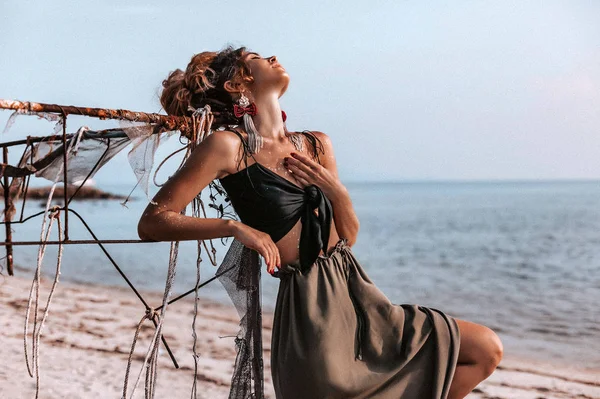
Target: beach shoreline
{"type": "Point", "coordinates": [88, 334]}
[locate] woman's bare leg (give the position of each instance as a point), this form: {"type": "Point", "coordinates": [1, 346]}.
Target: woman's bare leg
{"type": "Point", "coordinates": [480, 353]}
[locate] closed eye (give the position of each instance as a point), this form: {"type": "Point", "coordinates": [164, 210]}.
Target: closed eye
{"type": "Point", "coordinates": [254, 56]}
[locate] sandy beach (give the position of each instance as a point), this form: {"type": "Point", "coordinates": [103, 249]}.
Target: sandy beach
{"type": "Point", "coordinates": [87, 338]}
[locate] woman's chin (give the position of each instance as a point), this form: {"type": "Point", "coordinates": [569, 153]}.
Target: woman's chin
{"type": "Point", "coordinates": [284, 86]}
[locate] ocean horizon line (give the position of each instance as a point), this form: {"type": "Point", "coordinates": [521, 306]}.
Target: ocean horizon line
{"type": "Point", "coordinates": [131, 184]}
{"type": "Point", "coordinates": [478, 181]}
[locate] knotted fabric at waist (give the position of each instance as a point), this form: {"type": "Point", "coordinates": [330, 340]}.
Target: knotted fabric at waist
{"type": "Point", "coordinates": [314, 236]}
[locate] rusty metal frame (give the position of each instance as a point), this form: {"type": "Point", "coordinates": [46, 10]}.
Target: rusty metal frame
{"type": "Point", "coordinates": [161, 124]}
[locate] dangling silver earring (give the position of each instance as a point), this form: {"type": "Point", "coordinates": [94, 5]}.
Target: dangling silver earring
{"type": "Point", "coordinates": [246, 110]}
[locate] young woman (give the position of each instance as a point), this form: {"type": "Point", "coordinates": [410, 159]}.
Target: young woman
{"type": "Point", "coordinates": [335, 335]}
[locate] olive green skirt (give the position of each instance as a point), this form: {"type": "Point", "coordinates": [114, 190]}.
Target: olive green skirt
{"type": "Point", "coordinates": [336, 335]}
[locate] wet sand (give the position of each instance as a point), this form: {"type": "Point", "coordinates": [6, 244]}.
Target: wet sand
{"type": "Point", "coordinates": [87, 338]}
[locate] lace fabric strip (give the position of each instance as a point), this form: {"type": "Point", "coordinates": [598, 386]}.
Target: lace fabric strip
{"type": "Point", "coordinates": [92, 150]}
{"type": "Point", "coordinates": [90, 153]}
{"type": "Point", "coordinates": [240, 275]}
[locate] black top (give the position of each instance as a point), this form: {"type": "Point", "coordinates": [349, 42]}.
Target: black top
{"type": "Point", "coordinates": [268, 202]}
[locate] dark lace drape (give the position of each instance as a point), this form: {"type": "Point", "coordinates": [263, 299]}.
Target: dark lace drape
{"type": "Point", "coordinates": [240, 275]}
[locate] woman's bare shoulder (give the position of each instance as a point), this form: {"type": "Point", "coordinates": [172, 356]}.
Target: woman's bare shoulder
{"type": "Point", "coordinates": [321, 136]}
{"type": "Point", "coordinates": [324, 148]}
{"type": "Point", "coordinates": [321, 141]}
{"type": "Point", "coordinates": [223, 147]}
{"type": "Point", "coordinates": [222, 142]}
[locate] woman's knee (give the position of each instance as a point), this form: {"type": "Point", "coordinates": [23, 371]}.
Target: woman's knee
{"type": "Point", "coordinates": [493, 353]}
{"type": "Point", "coordinates": [480, 345]}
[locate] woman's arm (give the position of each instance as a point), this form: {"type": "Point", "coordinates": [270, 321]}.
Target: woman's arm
{"type": "Point", "coordinates": [162, 219]}
{"type": "Point", "coordinates": [325, 176]}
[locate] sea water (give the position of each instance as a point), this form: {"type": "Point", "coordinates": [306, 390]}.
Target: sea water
{"type": "Point", "coordinates": [522, 258]}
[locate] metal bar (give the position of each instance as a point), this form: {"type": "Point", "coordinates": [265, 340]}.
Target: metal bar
{"type": "Point", "coordinates": [80, 242]}
{"type": "Point", "coordinates": [25, 191]}
{"type": "Point", "coordinates": [164, 341]}
{"type": "Point", "coordinates": [25, 179]}
{"type": "Point", "coordinates": [7, 206]}
{"type": "Point", "coordinates": [170, 122]}
{"type": "Point", "coordinates": [210, 280]}
{"type": "Point", "coordinates": [65, 160]}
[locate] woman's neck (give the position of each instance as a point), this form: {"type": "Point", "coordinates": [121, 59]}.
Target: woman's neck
{"type": "Point", "coordinates": [268, 120]}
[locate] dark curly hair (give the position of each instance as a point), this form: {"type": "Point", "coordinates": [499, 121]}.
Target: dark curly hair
{"type": "Point", "coordinates": [203, 82]}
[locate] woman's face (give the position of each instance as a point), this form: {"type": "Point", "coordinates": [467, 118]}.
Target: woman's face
{"type": "Point", "coordinates": [268, 74]}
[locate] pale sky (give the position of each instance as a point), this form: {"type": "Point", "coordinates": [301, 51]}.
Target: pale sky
{"type": "Point", "coordinates": [407, 90]}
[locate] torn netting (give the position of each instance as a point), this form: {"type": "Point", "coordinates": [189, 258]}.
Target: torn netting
{"type": "Point", "coordinates": [145, 144]}
{"type": "Point", "coordinates": [90, 152]}
{"type": "Point", "coordinates": [240, 275]}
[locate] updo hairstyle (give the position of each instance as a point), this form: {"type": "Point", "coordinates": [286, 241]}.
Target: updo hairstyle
{"type": "Point", "coordinates": [203, 83]}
